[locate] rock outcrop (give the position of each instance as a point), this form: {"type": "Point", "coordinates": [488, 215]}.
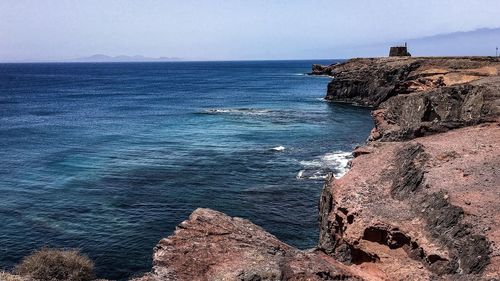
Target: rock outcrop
{"type": "Point", "coordinates": [420, 202]}
{"type": "Point", "coordinates": [419, 96]}
{"type": "Point", "coordinates": [420, 209]}
{"type": "Point", "coordinates": [213, 246]}
{"type": "Point", "coordinates": [318, 69]}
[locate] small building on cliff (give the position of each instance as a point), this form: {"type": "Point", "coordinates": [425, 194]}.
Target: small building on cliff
{"type": "Point", "coordinates": [399, 51]}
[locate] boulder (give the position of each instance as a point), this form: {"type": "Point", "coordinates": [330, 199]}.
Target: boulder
{"type": "Point", "coordinates": [213, 246]}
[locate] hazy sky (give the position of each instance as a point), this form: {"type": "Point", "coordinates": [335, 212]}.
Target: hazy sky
{"type": "Point", "coordinates": [231, 29]}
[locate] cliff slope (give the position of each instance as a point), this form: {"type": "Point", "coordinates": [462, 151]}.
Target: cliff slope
{"type": "Point", "coordinates": [421, 201]}
{"type": "Point", "coordinates": [415, 97]}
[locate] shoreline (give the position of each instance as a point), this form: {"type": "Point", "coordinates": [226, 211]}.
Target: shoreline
{"type": "Point", "coordinates": [268, 194]}
{"type": "Point", "coordinates": [419, 200]}
{"type": "Point", "coordinates": [366, 235]}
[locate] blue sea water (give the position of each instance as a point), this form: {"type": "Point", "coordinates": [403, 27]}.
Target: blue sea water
{"type": "Point", "coordinates": [110, 157]}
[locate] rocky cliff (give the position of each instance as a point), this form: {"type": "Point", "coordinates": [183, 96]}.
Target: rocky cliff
{"type": "Point", "coordinates": [421, 201]}
{"type": "Point", "coordinates": [418, 96]}
{"type": "Point", "coordinates": [213, 246]}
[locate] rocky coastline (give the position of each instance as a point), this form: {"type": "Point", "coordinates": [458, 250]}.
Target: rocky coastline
{"type": "Point", "coordinates": [420, 202]}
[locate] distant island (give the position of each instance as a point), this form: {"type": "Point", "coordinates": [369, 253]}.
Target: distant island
{"type": "Point", "coordinates": [123, 58]}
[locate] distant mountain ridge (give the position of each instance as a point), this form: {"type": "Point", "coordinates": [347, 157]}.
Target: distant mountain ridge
{"type": "Point", "coordinates": [123, 58]}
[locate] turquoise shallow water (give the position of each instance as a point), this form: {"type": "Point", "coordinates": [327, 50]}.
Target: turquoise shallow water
{"type": "Point", "coordinates": [110, 157]}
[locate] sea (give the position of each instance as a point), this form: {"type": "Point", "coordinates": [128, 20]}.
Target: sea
{"type": "Point", "coordinates": [109, 157]}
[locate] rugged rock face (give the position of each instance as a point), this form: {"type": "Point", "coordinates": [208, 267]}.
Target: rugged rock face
{"type": "Point", "coordinates": [213, 246]}
{"type": "Point", "coordinates": [371, 81]}
{"type": "Point", "coordinates": [420, 202]}
{"type": "Point", "coordinates": [419, 209]}
{"type": "Point", "coordinates": [318, 69]}
{"type": "Point", "coordinates": [418, 96]}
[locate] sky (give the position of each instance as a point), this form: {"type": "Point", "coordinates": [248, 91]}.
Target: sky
{"type": "Point", "coordinates": [34, 30]}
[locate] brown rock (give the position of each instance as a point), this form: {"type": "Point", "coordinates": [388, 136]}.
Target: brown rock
{"type": "Point", "coordinates": [380, 214]}
{"type": "Point", "coordinates": [213, 246]}
{"type": "Point", "coordinates": [318, 69]}
{"type": "Point", "coordinates": [358, 151]}
{"type": "Point", "coordinates": [419, 96]}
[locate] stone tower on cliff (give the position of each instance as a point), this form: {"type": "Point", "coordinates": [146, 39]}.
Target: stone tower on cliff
{"type": "Point", "coordinates": [399, 51]}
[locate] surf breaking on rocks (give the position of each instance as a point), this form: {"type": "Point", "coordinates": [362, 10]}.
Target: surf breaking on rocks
{"type": "Point", "coordinates": [319, 167]}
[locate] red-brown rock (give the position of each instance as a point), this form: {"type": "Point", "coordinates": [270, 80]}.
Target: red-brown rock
{"type": "Point", "coordinates": [422, 209]}
{"type": "Point", "coordinates": [419, 96]}
{"type": "Point", "coordinates": [213, 246]}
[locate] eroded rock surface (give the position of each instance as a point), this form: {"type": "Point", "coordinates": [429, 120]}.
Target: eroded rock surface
{"type": "Point", "coordinates": [415, 97]}
{"type": "Point", "coordinates": [213, 246]}
{"type": "Point", "coordinates": [422, 198]}
{"type": "Point", "coordinates": [420, 209]}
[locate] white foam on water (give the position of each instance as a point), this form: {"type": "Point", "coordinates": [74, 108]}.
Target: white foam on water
{"type": "Point", "coordinates": [238, 111]}
{"type": "Point", "coordinates": [300, 174]}
{"type": "Point", "coordinates": [311, 163]}
{"type": "Point", "coordinates": [278, 148]}
{"type": "Point", "coordinates": [318, 168]}
{"type": "Point", "coordinates": [339, 161]}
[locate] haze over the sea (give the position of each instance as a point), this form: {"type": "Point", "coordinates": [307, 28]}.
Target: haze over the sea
{"type": "Point", "coordinates": [244, 30]}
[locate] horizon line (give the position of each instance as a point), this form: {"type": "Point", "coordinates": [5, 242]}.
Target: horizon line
{"type": "Point", "coordinates": [160, 61]}
{"type": "Point", "coordinates": [230, 60]}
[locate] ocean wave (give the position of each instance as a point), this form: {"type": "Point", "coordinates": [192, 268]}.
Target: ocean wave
{"type": "Point", "coordinates": [312, 174]}
{"type": "Point", "coordinates": [278, 148]}
{"type": "Point", "coordinates": [238, 111]}
{"type": "Point", "coordinates": [319, 167]}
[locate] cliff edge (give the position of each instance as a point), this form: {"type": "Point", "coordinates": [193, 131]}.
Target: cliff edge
{"type": "Point", "coordinates": [420, 202]}
{"type": "Point", "coordinates": [213, 246]}
{"type": "Point", "coordinates": [415, 97]}
{"type": "Point", "coordinates": [422, 198]}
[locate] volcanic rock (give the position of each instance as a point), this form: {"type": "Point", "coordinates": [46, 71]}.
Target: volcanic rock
{"type": "Point", "coordinates": [213, 246]}
{"type": "Point", "coordinates": [419, 96]}
{"type": "Point", "coordinates": [409, 210]}
{"type": "Point", "coordinates": [422, 198]}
